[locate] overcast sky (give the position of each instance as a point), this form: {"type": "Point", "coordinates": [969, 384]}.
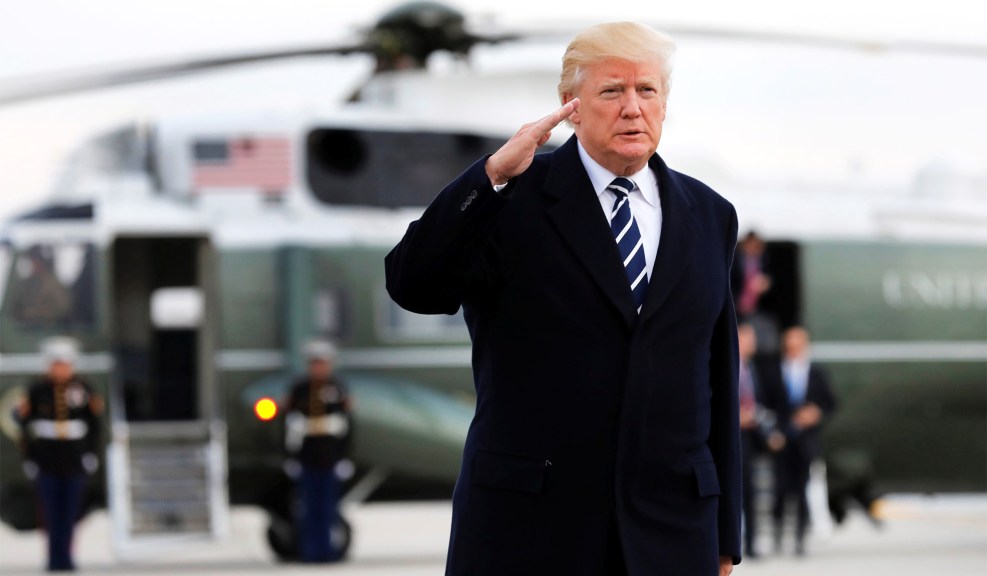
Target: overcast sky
{"type": "Point", "coordinates": [54, 34]}
{"type": "Point", "coordinates": [46, 36]}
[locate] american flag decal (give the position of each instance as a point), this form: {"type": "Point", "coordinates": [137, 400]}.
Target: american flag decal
{"type": "Point", "coordinates": [249, 162]}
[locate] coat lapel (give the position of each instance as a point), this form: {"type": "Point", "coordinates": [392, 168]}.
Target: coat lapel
{"type": "Point", "coordinates": [579, 219]}
{"type": "Point", "coordinates": [679, 231]}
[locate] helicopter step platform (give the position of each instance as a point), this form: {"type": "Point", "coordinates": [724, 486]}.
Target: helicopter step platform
{"type": "Point", "coordinates": [167, 482]}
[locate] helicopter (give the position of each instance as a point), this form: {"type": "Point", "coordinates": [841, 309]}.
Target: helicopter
{"type": "Point", "coordinates": [197, 252]}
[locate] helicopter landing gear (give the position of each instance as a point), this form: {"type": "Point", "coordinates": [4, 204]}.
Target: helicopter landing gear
{"type": "Point", "coordinates": [282, 537]}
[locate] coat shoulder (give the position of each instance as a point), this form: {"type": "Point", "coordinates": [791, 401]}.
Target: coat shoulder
{"type": "Point", "coordinates": [701, 192]}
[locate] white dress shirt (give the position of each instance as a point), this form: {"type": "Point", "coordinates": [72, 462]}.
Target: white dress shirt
{"type": "Point", "coordinates": [645, 204]}
{"type": "Point", "coordinates": [796, 375]}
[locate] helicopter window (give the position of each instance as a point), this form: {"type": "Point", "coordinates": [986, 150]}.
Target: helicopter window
{"type": "Point", "coordinates": [400, 324]}
{"type": "Point", "coordinates": [6, 258]}
{"type": "Point", "coordinates": [52, 286]}
{"type": "Point", "coordinates": [328, 310]}
{"type": "Point", "coordinates": [388, 168]}
{"type": "Point", "coordinates": [122, 150]}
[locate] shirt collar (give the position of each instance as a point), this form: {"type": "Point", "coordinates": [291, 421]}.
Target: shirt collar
{"type": "Point", "coordinates": [601, 177]}
{"type": "Point", "coordinates": [796, 364]}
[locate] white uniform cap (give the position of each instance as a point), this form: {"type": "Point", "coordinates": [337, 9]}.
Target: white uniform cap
{"type": "Point", "coordinates": [60, 349]}
{"type": "Point", "coordinates": [320, 350]}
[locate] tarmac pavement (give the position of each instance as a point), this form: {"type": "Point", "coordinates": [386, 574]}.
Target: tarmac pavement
{"type": "Point", "coordinates": [921, 535]}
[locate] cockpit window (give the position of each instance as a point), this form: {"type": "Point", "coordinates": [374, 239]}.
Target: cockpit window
{"type": "Point", "coordinates": [125, 151]}
{"type": "Point", "coordinates": [50, 286]}
{"type": "Point", "coordinates": [388, 168]}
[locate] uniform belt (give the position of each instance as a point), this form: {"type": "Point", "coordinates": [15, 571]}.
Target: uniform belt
{"type": "Point", "coordinates": [328, 425]}
{"type": "Point", "coordinates": [299, 427]}
{"type": "Point", "coordinates": [59, 429]}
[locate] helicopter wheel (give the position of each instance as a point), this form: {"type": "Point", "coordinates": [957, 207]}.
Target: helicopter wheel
{"type": "Point", "coordinates": [341, 536]}
{"type": "Point", "coordinates": [283, 539]}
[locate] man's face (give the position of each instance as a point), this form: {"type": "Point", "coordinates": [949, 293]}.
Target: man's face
{"type": "Point", "coordinates": [60, 371]}
{"type": "Point", "coordinates": [620, 113]}
{"type": "Point", "coordinates": [319, 369]}
{"type": "Point", "coordinates": [746, 342]}
{"type": "Point", "coordinates": [795, 343]}
{"type": "Point", "coordinates": [753, 246]}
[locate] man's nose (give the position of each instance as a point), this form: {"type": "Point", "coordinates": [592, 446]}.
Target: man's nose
{"type": "Point", "coordinates": [630, 105]}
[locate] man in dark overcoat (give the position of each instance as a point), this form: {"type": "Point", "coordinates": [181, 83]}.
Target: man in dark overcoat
{"type": "Point", "coordinates": [594, 281]}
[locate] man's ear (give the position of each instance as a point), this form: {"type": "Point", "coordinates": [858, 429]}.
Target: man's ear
{"type": "Point", "coordinates": [574, 117]}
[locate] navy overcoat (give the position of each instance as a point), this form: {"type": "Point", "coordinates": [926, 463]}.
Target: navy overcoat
{"type": "Point", "coordinates": [594, 424]}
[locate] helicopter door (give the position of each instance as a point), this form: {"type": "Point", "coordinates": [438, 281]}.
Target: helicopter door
{"type": "Point", "coordinates": [167, 453]}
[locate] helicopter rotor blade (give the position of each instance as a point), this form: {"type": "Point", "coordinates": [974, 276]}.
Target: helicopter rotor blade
{"type": "Point", "coordinates": [562, 31]}
{"type": "Point", "coordinates": [407, 35]}
{"type": "Point", "coordinates": [34, 88]}
{"type": "Point", "coordinates": [839, 42]}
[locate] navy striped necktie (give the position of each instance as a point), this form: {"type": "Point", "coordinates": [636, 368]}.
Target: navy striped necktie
{"type": "Point", "coordinates": [628, 237]}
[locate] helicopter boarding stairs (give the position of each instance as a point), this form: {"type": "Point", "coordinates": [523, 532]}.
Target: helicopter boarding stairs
{"type": "Point", "coordinates": [167, 484]}
{"type": "Point", "coordinates": [167, 455]}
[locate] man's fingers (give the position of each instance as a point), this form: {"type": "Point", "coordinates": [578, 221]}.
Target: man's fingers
{"type": "Point", "coordinates": [546, 124]}
{"type": "Point", "coordinates": [566, 110]}
{"type": "Point", "coordinates": [515, 156]}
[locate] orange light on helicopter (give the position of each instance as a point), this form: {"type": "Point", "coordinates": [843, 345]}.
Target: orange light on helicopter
{"type": "Point", "coordinates": [266, 409]}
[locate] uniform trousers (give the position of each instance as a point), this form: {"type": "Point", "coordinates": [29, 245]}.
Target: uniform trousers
{"type": "Point", "coordinates": [61, 502]}
{"type": "Point", "coordinates": [318, 512]}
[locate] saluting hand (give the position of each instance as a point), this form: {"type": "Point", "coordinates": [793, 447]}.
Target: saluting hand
{"type": "Point", "coordinates": [516, 154]}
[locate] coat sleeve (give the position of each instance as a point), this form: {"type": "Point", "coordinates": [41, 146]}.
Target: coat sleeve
{"type": "Point", "coordinates": [430, 268]}
{"type": "Point", "coordinates": [825, 398]}
{"type": "Point", "coordinates": [724, 439]}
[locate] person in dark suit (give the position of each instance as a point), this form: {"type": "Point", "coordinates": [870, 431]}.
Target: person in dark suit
{"type": "Point", "coordinates": [758, 431]}
{"type": "Point", "coordinates": [800, 395]}
{"type": "Point", "coordinates": [749, 277]}
{"type": "Point", "coordinates": [594, 281]}
{"type": "Point", "coordinates": [755, 297]}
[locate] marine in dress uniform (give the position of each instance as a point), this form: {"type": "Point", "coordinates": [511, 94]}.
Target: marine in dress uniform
{"type": "Point", "coordinates": [317, 438]}
{"type": "Point", "coordinates": [60, 439]}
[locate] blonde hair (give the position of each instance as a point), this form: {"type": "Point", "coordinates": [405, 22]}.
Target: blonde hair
{"type": "Point", "coordinates": [621, 40]}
